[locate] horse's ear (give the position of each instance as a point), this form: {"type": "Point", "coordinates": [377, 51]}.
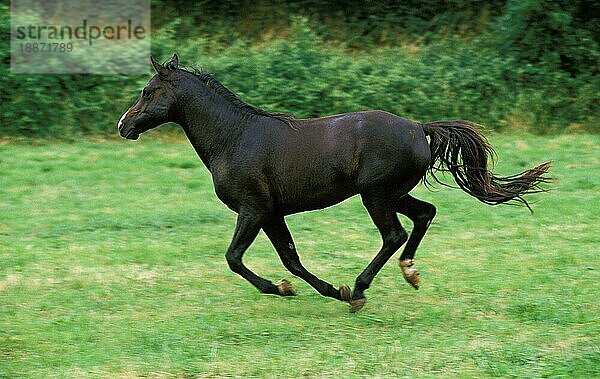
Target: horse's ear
{"type": "Point", "coordinates": [160, 70]}
{"type": "Point", "coordinates": [175, 60]}
{"type": "Point", "coordinates": [173, 63]}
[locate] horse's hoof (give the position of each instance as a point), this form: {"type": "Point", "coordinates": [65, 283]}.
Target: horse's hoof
{"type": "Point", "coordinates": [356, 305]}
{"type": "Point", "coordinates": [411, 275]}
{"type": "Point", "coordinates": [345, 293]}
{"type": "Point", "coordinates": [285, 288]}
{"type": "Point", "coordinates": [413, 278]}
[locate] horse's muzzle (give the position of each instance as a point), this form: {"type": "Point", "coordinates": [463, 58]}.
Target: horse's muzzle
{"type": "Point", "coordinates": [125, 127]}
{"type": "Point", "coordinates": [129, 133]}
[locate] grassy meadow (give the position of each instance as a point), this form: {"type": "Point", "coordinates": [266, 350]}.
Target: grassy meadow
{"type": "Point", "coordinates": [112, 265]}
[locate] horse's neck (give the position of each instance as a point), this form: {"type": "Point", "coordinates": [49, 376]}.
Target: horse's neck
{"type": "Point", "coordinates": [212, 125]}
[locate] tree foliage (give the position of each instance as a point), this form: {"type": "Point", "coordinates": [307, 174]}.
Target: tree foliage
{"type": "Point", "coordinates": [530, 63]}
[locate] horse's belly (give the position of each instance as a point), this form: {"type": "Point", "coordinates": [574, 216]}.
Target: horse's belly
{"type": "Point", "coordinates": [314, 194]}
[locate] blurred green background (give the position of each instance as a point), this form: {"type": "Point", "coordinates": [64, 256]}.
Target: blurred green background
{"type": "Point", "coordinates": [512, 65]}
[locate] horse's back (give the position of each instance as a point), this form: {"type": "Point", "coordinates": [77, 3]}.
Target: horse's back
{"type": "Point", "coordinates": [325, 160]}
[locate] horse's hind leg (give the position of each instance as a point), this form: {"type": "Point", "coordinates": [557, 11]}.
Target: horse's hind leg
{"type": "Point", "coordinates": [279, 234]}
{"type": "Point", "coordinates": [384, 216]}
{"type": "Point", "coordinates": [421, 214]}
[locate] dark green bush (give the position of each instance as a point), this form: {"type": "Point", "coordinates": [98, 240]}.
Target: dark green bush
{"type": "Point", "coordinates": [526, 69]}
{"type": "Point", "coordinates": [451, 79]}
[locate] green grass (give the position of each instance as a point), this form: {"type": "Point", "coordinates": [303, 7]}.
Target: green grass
{"type": "Point", "coordinates": [112, 265]}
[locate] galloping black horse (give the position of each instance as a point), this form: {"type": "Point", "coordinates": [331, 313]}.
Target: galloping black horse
{"type": "Point", "coordinates": [268, 165]}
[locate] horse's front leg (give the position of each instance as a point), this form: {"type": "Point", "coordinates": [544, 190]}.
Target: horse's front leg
{"type": "Point", "coordinates": [247, 228]}
{"type": "Point", "coordinates": [278, 233]}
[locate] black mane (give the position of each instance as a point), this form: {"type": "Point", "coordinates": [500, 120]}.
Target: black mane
{"type": "Point", "coordinates": [233, 99]}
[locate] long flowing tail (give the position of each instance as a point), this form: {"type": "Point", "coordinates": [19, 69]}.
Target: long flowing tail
{"type": "Point", "coordinates": [459, 148]}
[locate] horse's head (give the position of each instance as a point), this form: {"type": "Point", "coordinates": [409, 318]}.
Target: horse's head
{"type": "Point", "coordinates": [154, 104]}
